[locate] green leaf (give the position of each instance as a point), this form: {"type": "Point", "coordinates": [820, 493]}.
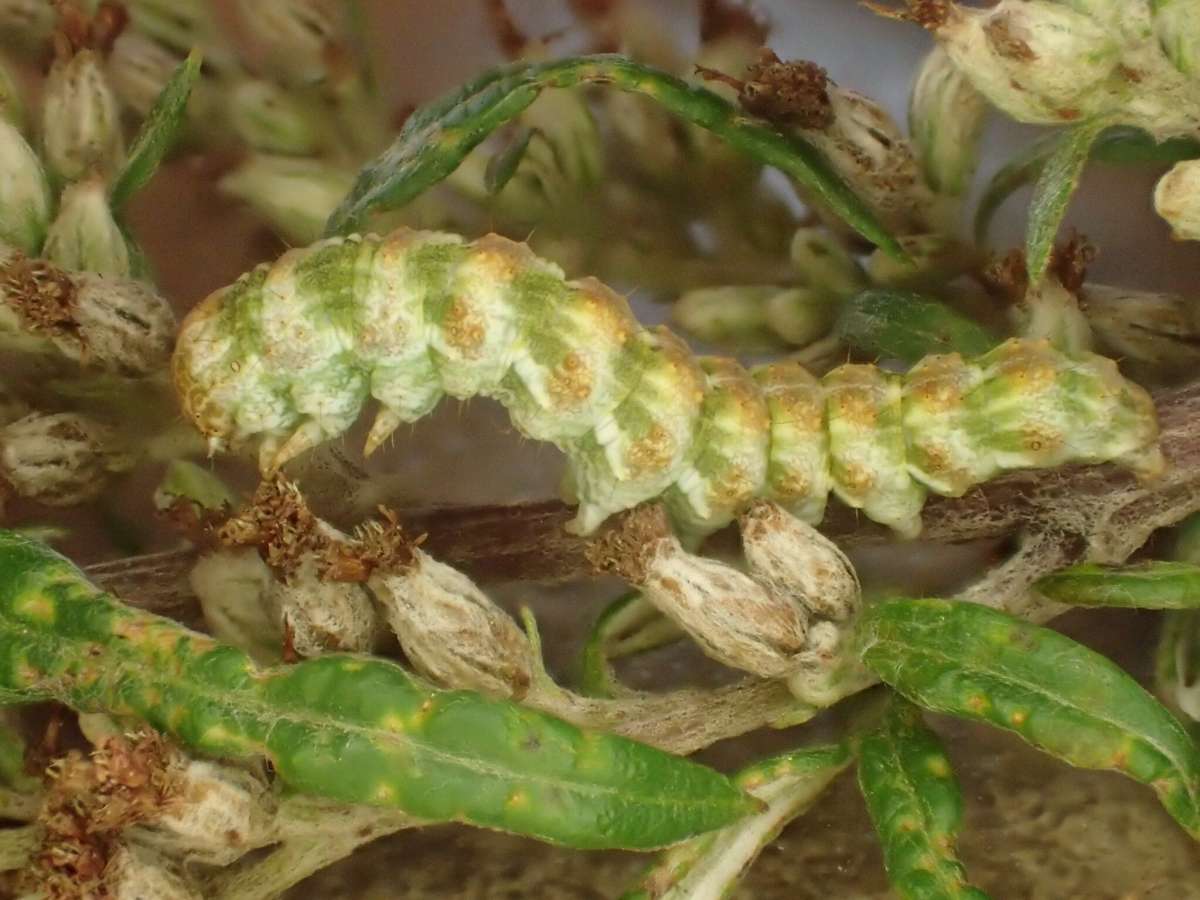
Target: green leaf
{"type": "Point", "coordinates": [902, 325]}
{"type": "Point", "coordinates": [1119, 145]}
{"type": "Point", "coordinates": [712, 864]}
{"type": "Point", "coordinates": [628, 625]}
{"type": "Point", "coordinates": [158, 132]}
{"type": "Point", "coordinates": [915, 805]}
{"type": "Point", "coordinates": [351, 728]}
{"type": "Point", "coordinates": [1052, 191]}
{"type": "Point", "coordinates": [436, 138]}
{"type": "Point", "coordinates": [974, 662]}
{"type": "Point", "coordinates": [1149, 585]}
{"type": "Point", "coordinates": [503, 166]}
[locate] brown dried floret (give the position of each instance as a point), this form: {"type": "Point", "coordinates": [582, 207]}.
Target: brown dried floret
{"type": "Point", "coordinates": [43, 295]}
{"type": "Point", "coordinates": [279, 523]}
{"type": "Point", "coordinates": [789, 93]}
{"type": "Point", "coordinates": [626, 548]}
{"type": "Point", "coordinates": [1070, 259]}
{"type": "Point", "coordinates": [930, 14]}
{"type": "Point", "coordinates": [89, 802]}
{"type": "Point", "coordinates": [77, 31]}
{"type": "Point", "coordinates": [1005, 277]}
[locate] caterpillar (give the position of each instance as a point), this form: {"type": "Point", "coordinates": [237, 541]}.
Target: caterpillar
{"type": "Point", "coordinates": [292, 350]}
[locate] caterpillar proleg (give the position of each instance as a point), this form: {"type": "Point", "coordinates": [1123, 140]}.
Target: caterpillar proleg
{"type": "Point", "coordinates": [292, 351]}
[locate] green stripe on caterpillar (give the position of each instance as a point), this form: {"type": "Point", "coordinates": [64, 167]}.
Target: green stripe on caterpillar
{"type": "Point", "coordinates": [292, 351]}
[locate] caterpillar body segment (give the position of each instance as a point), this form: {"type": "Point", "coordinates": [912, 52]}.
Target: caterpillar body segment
{"type": "Point", "coordinates": [292, 351]}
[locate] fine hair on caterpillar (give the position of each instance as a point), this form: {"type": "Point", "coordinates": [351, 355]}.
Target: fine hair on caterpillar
{"type": "Point", "coordinates": [292, 351]}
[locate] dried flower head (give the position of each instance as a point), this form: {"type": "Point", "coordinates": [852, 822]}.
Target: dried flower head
{"type": "Point", "coordinates": [450, 630]}
{"type": "Point", "coordinates": [61, 459]}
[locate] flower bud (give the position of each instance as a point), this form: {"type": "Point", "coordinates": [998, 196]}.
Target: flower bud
{"type": "Point", "coordinates": [933, 260]}
{"type": "Point", "coordinates": [801, 315]}
{"type": "Point", "coordinates": [24, 193]}
{"type": "Point", "coordinates": [451, 631]}
{"type": "Point", "coordinates": [294, 196]}
{"type": "Point", "coordinates": [945, 118]}
{"type": "Point", "coordinates": [81, 125]}
{"type": "Point", "coordinates": [219, 813]}
{"type": "Point", "coordinates": [735, 619]}
{"type": "Point", "coordinates": [1161, 330]}
{"type": "Point", "coordinates": [1039, 61]}
{"type": "Point", "coordinates": [875, 158]}
{"type": "Point", "coordinates": [60, 459]}
{"type": "Point", "coordinates": [182, 25]}
{"type": "Point", "coordinates": [731, 315]}
{"type": "Point", "coordinates": [84, 236]}
{"type": "Point", "coordinates": [1177, 199]}
{"type": "Point", "coordinates": [139, 873]}
{"type": "Point", "coordinates": [824, 264]}
{"type": "Point", "coordinates": [270, 119]}
{"type": "Point", "coordinates": [795, 560]}
{"type": "Point", "coordinates": [231, 586]}
{"type": "Point", "coordinates": [319, 616]}
{"type": "Point", "coordinates": [293, 35]}
{"type": "Point", "coordinates": [1175, 26]}
{"type": "Point", "coordinates": [1050, 311]}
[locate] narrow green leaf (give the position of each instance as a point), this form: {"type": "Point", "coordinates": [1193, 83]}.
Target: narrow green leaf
{"type": "Point", "coordinates": [1119, 145]}
{"type": "Point", "coordinates": [436, 138]}
{"type": "Point", "coordinates": [902, 325]}
{"type": "Point", "coordinates": [1149, 585]}
{"type": "Point", "coordinates": [915, 805]}
{"type": "Point", "coordinates": [503, 166]}
{"type": "Point", "coordinates": [974, 662]}
{"type": "Point", "coordinates": [158, 132]}
{"type": "Point", "coordinates": [1052, 193]}
{"type": "Point", "coordinates": [351, 728]}
{"type": "Point", "coordinates": [711, 865]}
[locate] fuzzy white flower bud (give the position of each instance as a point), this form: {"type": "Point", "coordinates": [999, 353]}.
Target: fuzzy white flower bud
{"type": "Point", "coordinates": [1160, 330]}
{"type": "Point", "coordinates": [1038, 61]}
{"type": "Point", "coordinates": [59, 459]}
{"type": "Point", "coordinates": [874, 156]}
{"type": "Point", "coordinates": [933, 260]}
{"type": "Point", "coordinates": [1052, 312]}
{"type": "Point", "coordinates": [451, 631]}
{"type": "Point", "coordinates": [231, 586]}
{"type": "Point", "coordinates": [295, 196]}
{"type": "Point", "coordinates": [24, 193]}
{"type": "Point", "coordinates": [293, 34]}
{"type": "Point", "coordinates": [1177, 199]}
{"type": "Point", "coordinates": [735, 619]}
{"type": "Point", "coordinates": [84, 236]}
{"type": "Point", "coordinates": [319, 616]}
{"type": "Point", "coordinates": [945, 118]}
{"type": "Point", "coordinates": [822, 262]}
{"type": "Point", "coordinates": [795, 560]}
{"type": "Point", "coordinates": [272, 120]}
{"type": "Point", "coordinates": [218, 814]}
{"type": "Point", "coordinates": [81, 124]}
